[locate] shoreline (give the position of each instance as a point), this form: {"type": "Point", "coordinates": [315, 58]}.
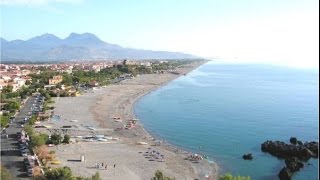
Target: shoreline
{"type": "Point", "coordinates": [119, 100]}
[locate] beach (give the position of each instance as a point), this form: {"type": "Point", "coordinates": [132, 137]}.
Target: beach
{"type": "Point", "coordinates": [106, 111]}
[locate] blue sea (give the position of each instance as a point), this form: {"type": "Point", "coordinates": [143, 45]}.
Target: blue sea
{"type": "Point", "coordinates": [227, 110]}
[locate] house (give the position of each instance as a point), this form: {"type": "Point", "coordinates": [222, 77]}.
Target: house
{"type": "Point", "coordinates": [55, 80]}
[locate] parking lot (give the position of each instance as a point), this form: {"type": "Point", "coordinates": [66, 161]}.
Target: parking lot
{"type": "Point", "coordinates": [15, 154]}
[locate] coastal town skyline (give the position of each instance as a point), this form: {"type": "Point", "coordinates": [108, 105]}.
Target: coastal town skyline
{"type": "Point", "coordinates": [279, 32]}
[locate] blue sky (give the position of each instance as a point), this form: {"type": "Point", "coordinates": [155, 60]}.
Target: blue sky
{"type": "Point", "coordinates": [277, 31]}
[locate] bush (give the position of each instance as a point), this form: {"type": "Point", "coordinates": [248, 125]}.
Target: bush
{"type": "Point", "coordinates": [56, 139]}
{"type": "Point", "coordinates": [5, 174]}
{"type": "Point", "coordinates": [4, 121]}
{"type": "Point", "coordinates": [66, 139]}
{"type": "Point", "coordinates": [38, 140]}
{"type": "Point", "coordinates": [63, 173]}
{"type": "Point", "coordinates": [160, 176]}
{"type": "Point", "coordinates": [229, 176]}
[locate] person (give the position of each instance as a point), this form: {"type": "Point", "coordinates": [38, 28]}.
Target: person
{"type": "Point", "coordinates": [114, 166]}
{"type": "Point", "coordinates": [102, 164]}
{"type": "Point", "coordinates": [106, 167]}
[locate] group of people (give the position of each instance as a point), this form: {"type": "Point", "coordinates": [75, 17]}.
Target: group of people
{"type": "Point", "coordinates": [103, 166]}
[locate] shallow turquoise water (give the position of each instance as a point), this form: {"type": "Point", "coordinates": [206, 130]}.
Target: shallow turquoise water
{"type": "Point", "coordinates": [225, 111]}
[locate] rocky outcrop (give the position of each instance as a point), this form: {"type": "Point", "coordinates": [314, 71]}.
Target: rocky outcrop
{"type": "Point", "coordinates": [285, 174]}
{"type": "Point", "coordinates": [293, 153]}
{"type": "Point", "coordinates": [294, 164]}
{"type": "Point", "coordinates": [293, 140]}
{"type": "Point", "coordinates": [282, 150]}
{"type": "Point", "coordinates": [247, 156]}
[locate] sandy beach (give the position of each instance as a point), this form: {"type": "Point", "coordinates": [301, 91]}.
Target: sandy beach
{"type": "Point", "coordinates": [94, 113]}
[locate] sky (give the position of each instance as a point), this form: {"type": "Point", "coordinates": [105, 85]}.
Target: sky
{"type": "Point", "coordinates": [284, 32]}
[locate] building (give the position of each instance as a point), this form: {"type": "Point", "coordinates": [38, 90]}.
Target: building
{"type": "Point", "coordinates": [55, 80]}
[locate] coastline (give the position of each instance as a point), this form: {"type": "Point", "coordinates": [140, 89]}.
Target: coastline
{"type": "Point", "coordinates": [119, 100]}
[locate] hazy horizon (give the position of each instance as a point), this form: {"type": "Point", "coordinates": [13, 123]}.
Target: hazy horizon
{"type": "Point", "coordinates": [276, 32]}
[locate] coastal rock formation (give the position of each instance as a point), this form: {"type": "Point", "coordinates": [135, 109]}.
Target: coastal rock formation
{"type": "Point", "coordinates": [293, 140]}
{"type": "Point", "coordinates": [285, 174]}
{"type": "Point", "coordinates": [247, 156]}
{"type": "Point", "coordinates": [282, 150]}
{"type": "Point", "coordinates": [293, 153]}
{"type": "Point", "coordinates": [294, 164]}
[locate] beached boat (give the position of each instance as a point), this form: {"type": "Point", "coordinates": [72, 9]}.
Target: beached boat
{"type": "Point", "coordinates": [99, 136]}
{"type": "Point", "coordinates": [56, 162]}
{"type": "Point", "coordinates": [142, 143]}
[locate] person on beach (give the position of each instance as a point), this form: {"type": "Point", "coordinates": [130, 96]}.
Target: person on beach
{"type": "Point", "coordinates": [106, 167]}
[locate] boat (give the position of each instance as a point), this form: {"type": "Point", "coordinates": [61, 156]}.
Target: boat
{"type": "Point", "coordinates": [56, 162]}
{"type": "Point", "coordinates": [108, 137]}
{"type": "Point", "coordinates": [102, 139]}
{"type": "Point", "coordinates": [99, 136]}
{"type": "Point", "coordinates": [118, 120]}
{"type": "Point", "coordinates": [91, 128]}
{"type": "Point", "coordinates": [142, 143]}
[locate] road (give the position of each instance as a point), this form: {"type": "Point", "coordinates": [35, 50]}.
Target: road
{"type": "Point", "coordinates": [11, 157]}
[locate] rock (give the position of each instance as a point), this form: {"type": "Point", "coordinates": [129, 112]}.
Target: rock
{"type": "Point", "coordinates": [293, 140]}
{"type": "Point", "coordinates": [294, 164]}
{"type": "Point", "coordinates": [285, 174]}
{"type": "Point", "coordinates": [283, 150]}
{"type": "Point", "coordinates": [247, 156]}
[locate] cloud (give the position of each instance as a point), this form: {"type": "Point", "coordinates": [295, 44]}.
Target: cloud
{"type": "Point", "coordinates": [36, 2]}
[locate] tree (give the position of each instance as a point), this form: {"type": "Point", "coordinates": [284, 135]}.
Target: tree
{"type": "Point", "coordinates": [4, 120]}
{"type": "Point", "coordinates": [28, 128]}
{"type": "Point", "coordinates": [12, 106]}
{"type": "Point", "coordinates": [160, 176]}
{"type": "Point", "coordinates": [56, 139]}
{"type": "Point", "coordinates": [38, 140]}
{"type": "Point", "coordinates": [63, 173]}
{"type": "Point", "coordinates": [96, 176]}
{"type": "Point", "coordinates": [66, 139]}
{"type": "Point", "coordinates": [229, 176]}
{"type": "Point", "coordinates": [5, 174]}
{"type": "Point", "coordinates": [7, 89]}
{"type": "Point", "coordinates": [32, 120]}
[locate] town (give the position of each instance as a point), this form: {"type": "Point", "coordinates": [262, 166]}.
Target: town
{"type": "Point", "coordinates": [28, 94]}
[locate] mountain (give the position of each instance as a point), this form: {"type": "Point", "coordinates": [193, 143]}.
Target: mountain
{"type": "Point", "coordinates": [76, 47]}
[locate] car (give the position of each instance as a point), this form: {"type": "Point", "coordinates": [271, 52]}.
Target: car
{"type": "Point", "coordinates": [23, 149]}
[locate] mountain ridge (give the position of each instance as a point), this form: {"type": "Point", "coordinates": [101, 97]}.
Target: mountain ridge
{"type": "Point", "coordinates": [76, 46]}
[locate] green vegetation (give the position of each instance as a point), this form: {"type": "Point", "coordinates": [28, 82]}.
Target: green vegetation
{"type": "Point", "coordinates": [66, 139]}
{"type": "Point", "coordinates": [5, 174]}
{"type": "Point", "coordinates": [229, 176]}
{"type": "Point", "coordinates": [38, 140]}
{"type": "Point", "coordinates": [65, 173]}
{"type": "Point", "coordinates": [160, 176]}
{"type": "Point", "coordinates": [4, 120]}
{"type": "Point", "coordinates": [12, 106]}
{"type": "Point", "coordinates": [56, 139]}
{"type": "Point", "coordinates": [32, 120]}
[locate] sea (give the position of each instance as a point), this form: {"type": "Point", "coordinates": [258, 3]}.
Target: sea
{"type": "Point", "coordinates": [227, 110]}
